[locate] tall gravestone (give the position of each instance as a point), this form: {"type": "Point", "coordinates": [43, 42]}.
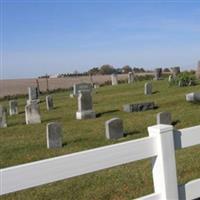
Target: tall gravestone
{"type": "Point", "coordinates": [198, 70]}
{"type": "Point", "coordinates": [13, 107]}
{"type": "Point", "coordinates": [114, 79]}
{"type": "Point", "coordinates": [148, 88]}
{"type": "Point", "coordinates": [157, 73]}
{"type": "Point", "coordinates": [85, 110]}
{"type": "Point", "coordinates": [81, 87]}
{"type": "Point", "coordinates": [32, 113]}
{"type": "Point", "coordinates": [130, 77]}
{"type": "Point", "coordinates": [33, 95]}
{"type": "Point", "coordinates": [114, 128]}
{"type": "Point", "coordinates": [3, 122]}
{"type": "Point", "coordinates": [54, 135]}
{"type": "Point", "coordinates": [164, 118]}
{"type": "Point", "coordinates": [175, 71]}
{"type": "Point", "coordinates": [49, 102]}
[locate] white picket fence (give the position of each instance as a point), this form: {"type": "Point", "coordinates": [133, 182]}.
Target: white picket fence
{"type": "Point", "coordinates": [159, 146]}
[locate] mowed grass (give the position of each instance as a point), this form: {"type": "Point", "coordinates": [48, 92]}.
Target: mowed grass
{"type": "Point", "coordinates": [22, 143]}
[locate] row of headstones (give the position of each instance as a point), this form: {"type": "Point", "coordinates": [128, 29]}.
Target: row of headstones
{"type": "Point", "coordinates": [32, 112]}
{"type": "Point", "coordinates": [85, 105]}
{"type": "Point", "coordinates": [113, 129]}
{"type": "Point", "coordinates": [157, 75]}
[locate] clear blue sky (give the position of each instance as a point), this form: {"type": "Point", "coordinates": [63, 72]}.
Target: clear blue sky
{"type": "Point", "coordinates": [39, 37]}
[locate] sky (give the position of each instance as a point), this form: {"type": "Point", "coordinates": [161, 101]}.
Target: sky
{"type": "Point", "coordinates": [48, 37]}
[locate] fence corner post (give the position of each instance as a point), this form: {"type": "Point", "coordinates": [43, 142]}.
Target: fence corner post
{"type": "Point", "coordinates": [164, 164]}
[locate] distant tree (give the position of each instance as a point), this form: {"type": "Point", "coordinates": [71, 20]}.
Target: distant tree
{"type": "Point", "coordinates": [138, 70]}
{"type": "Point", "coordinates": [126, 69]}
{"type": "Point", "coordinates": [94, 70]}
{"type": "Point", "coordinates": [166, 70]}
{"type": "Point", "coordinates": [107, 69]}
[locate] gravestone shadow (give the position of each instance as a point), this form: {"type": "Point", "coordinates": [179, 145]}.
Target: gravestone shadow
{"type": "Point", "coordinates": [131, 133]}
{"type": "Point", "coordinates": [51, 119]}
{"type": "Point", "coordinates": [106, 112]}
{"type": "Point", "coordinates": [175, 122]}
{"type": "Point", "coordinates": [156, 92]}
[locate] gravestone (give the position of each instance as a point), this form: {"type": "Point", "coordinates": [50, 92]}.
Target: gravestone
{"type": "Point", "coordinates": [49, 102]}
{"type": "Point", "coordinates": [130, 77]}
{"type": "Point", "coordinates": [198, 71]}
{"type": "Point", "coordinates": [81, 87]}
{"type": "Point", "coordinates": [85, 106]}
{"type": "Point", "coordinates": [3, 123]}
{"type": "Point", "coordinates": [138, 107]}
{"type": "Point", "coordinates": [170, 79]}
{"type": "Point", "coordinates": [193, 97]}
{"type": "Point", "coordinates": [148, 88]}
{"type": "Point", "coordinates": [96, 86]}
{"type": "Point", "coordinates": [175, 71]}
{"type": "Point", "coordinates": [157, 73]}
{"type": "Point", "coordinates": [114, 128]}
{"type": "Point", "coordinates": [13, 107]}
{"type": "Point", "coordinates": [114, 79]}
{"type": "Point", "coordinates": [33, 95]}
{"type": "Point", "coordinates": [54, 135]}
{"type": "Point", "coordinates": [32, 113]}
{"type": "Point", "coordinates": [164, 118]}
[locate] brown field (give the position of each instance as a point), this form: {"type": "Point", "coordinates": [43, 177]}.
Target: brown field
{"type": "Point", "coordinates": [19, 86]}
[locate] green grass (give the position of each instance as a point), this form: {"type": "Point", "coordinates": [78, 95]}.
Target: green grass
{"type": "Point", "coordinates": [20, 143]}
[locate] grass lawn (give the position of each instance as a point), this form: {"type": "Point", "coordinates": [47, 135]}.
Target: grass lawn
{"type": "Point", "coordinates": [20, 143]}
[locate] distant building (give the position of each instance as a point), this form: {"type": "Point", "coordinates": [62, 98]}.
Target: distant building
{"type": "Point", "coordinates": [54, 76]}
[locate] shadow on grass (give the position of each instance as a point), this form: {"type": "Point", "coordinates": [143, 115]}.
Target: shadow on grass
{"type": "Point", "coordinates": [76, 140]}
{"type": "Point", "coordinates": [51, 119]}
{"type": "Point", "coordinates": [156, 92]}
{"type": "Point", "coordinates": [175, 122]}
{"type": "Point", "coordinates": [155, 107]}
{"type": "Point", "coordinates": [131, 133]}
{"type": "Point", "coordinates": [107, 112]}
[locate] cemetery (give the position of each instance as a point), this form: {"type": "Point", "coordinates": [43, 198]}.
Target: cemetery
{"type": "Point", "coordinates": [42, 126]}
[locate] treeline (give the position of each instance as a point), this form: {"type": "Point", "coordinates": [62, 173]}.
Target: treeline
{"type": "Point", "coordinates": [105, 70]}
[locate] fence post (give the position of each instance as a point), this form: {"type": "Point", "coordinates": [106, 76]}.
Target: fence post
{"type": "Point", "coordinates": [164, 164]}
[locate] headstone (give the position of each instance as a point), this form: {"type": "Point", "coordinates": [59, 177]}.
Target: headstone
{"type": "Point", "coordinates": [54, 135]}
{"type": "Point", "coordinates": [130, 77]}
{"type": "Point", "coordinates": [148, 89]}
{"type": "Point", "coordinates": [49, 102]}
{"type": "Point", "coordinates": [3, 123]}
{"type": "Point", "coordinates": [13, 107]}
{"type": "Point", "coordinates": [158, 73]}
{"type": "Point", "coordinates": [181, 83]}
{"type": "Point", "coordinates": [114, 79]}
{"type": "Point", "coordinates": [71, 95]}
{"type": "Point", "coordinates": [114, 128]}
{"type": "Point", "coordinates": [81, 87]}
{"type": "Point", "coordinates": [139, 107]}
{"type": "Point", "coordinates": [175, 71]}
{"type": "Point", "coordinates": [170, 78]}
{"type": "Point", "coordinates": [164, 118]}
{"type": "Point", "coordinates": [198, 70]}
{"type": "Point", "coordinates": [96, 86]}
{"type": "Point", "coordinates": [33, 95]}
{"type": "Point", "coordinates": [193, 97]}
{"type": "Point", "coordinates": [32, 114]}
{"type": "Point", "coordinates": [85, 106]}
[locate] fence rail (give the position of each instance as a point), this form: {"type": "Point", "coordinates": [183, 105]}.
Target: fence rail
{"type": "Point", "coordinates": [161, 143]}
